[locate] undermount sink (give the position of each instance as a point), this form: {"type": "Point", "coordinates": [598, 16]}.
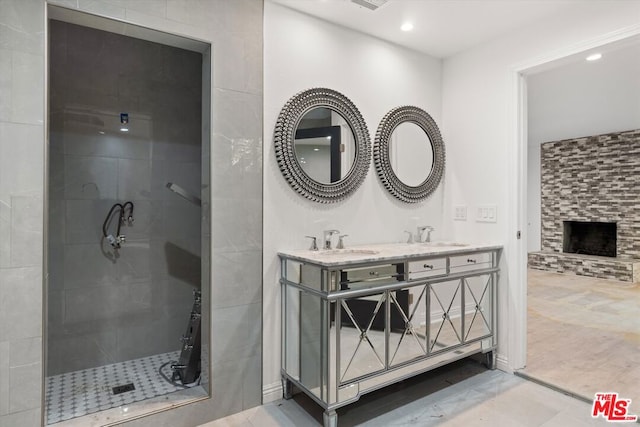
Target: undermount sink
{"type": "Point", "coordinates": [448, 244]}
{"type": "Point", "coordinates": [348, 251]}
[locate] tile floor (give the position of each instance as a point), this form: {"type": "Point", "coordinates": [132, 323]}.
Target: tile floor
{"type": "Point", "coordinates": [461, 394]}
{"type": "Point", "coordinates": [584, 334]}
{"type": "Point", "coordinates": [80, 393]}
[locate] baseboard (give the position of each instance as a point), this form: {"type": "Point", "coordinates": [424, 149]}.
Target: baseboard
{"type": "Point", "coordinates": [502, 363]}
{"type": "Point", "coordinates": [272, 392]}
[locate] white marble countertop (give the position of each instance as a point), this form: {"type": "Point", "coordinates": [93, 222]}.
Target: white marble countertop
{"type": "Point", "coordinates": [383, 252]}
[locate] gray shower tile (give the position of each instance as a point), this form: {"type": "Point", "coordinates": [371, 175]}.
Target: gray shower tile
{"type": "Point", "coordinates": [21, 26]}
{"type": "Point", "coordinates": [89, 264]}
{"type": "Point", "coordinates": [26, 231]}
{"type": "Point", "coordinates": [91, 177]}
{"type": "Point", "coordinates": [25, 387]}
{"type": "Point", "coordinates": [20, 303]}
{"type": "Point", "coordinates": [235, 275]}
{"type": "Point", "coordinates": [235, 332]}
{"type": "Point", "coordinates": [5, 230]}
{"type": "Point", "coordinates": [28, 418]}
{"type": "Point", "coordinates": [237, 224]}
{"type": "Point", "coordinates": [26, 351]}
{"type": "Point", "coordinates": [93, 303]}
{"type": "Point", "coordinates": [56, 230]}
{"type": "Point", "coordinates": [238, 70]}
{"type": "Point", "coordinates": [56, 174]}
{"type": "Point", "coordinates": [82, 221]}
{"type": "Point", "coordinates": [22, 145]}
{"type": "Point", "coordinates": [113, 143]}
{"type": "Point", "coordinates": [252, 382]}
{"type": "Point", "coordinates": [182, 220]}
{"type": "Point", "coordinates": [225, 384]}
{"type": "Point", "coordinates": [27, 86]}
{"type": "Point", "coordinates": [4, 377]}
{"type": "Point", "coordinates": [80, 351]}
{"type": "Point", "coordinates": [102, 8]}
{"type": "Point", "coordinates": [55, 309]}
{"type": "Point", "coordinates": [134, 179]}
{"type": "Point", "coordinates": [5, 85]}
{"type": "Point", "coordinates": [239, 116]}
{"type": "Point", "coordinates": [134, 264]}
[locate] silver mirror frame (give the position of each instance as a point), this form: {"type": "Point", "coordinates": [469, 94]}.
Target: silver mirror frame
{"type": "Point", "coordinates": [284, 136]}
{"type": "Point", "coordinates": [381, 158]}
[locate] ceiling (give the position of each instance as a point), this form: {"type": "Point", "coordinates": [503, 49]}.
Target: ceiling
{"type": "Point", "coordinates": [442, 28]}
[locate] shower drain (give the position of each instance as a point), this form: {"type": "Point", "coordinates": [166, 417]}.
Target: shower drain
{"type": "Point", "coordinates": [123, 388]}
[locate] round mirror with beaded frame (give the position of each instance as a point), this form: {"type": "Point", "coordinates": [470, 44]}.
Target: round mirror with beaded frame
{"type": "Point", "coordinates": [382, 153]}
{"type": "Point", "coordinates": [285, 136]}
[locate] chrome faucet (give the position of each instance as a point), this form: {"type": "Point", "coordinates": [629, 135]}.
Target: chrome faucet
{"type": "Point", "coordinates": [341, 241]}
{"type": "Point", "coordinates": [410, 238]}
{"type": "Point", "coordinates": [327, 237]}
{"type": "Point", "coordinates": [421, 230]}
{"type": "Point", "coordinates": [314, 245]}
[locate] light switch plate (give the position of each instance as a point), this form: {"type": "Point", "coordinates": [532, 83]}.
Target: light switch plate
{"type": "Point", "coordinates": [460, 213]}
{"type": "Point", "coordinates": [486, 213]}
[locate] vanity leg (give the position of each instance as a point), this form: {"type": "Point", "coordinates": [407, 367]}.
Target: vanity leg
{"type": "Point", "coordinates": [287, 389]}
{"type": "Point", "coordinates": [330, 418]}
{"type": "Point", "coordinates": [491, 359]}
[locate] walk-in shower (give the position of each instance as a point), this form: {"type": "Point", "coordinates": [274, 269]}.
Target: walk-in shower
{"type": "Point", "coordinates": [128, 220]}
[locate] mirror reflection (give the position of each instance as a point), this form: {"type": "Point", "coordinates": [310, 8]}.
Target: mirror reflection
{"type": "Point", "coordinates": [324, 145]}
{"type": "Point", "coordinates": [410, 154]}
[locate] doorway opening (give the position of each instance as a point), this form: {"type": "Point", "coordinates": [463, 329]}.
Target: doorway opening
{"type": "Point", "coordinates": [126, 286]}
{"type": "Point", "coordinates": [576, 296]}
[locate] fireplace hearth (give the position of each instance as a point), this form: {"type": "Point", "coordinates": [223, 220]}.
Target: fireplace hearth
{"type": "Point", "coordinates": [590, 238]}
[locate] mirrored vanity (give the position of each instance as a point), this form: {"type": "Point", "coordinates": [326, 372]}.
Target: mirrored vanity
{"type": "Point", "coordinates": [355, 320]}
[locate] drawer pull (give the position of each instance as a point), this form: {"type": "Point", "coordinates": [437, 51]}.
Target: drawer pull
{"type": "Point", "coordinates": [374, 273]}
{"type": "Point", "coordinates": [472, 261]}
{"type": "Point", "coordinates": [429, 266]}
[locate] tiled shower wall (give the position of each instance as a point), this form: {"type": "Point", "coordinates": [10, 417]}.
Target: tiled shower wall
{"type": "Point", "coordinates": [107, 306]}
{"type": "Point", "coordinates": [234, 29]}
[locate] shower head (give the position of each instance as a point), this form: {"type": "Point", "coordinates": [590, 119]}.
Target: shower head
{"type": "Point", "coordinates": [184, 193]}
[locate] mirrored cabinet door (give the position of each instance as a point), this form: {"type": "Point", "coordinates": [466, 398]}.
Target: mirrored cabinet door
{"type": "Point", "coordinates": [445, 323]}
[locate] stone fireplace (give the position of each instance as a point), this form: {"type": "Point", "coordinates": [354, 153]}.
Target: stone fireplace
{"type": "Point", "coordinates": [590, 206]}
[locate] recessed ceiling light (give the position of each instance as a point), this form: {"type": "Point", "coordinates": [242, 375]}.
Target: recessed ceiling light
{"type": "Point", "coordinates": [407, 26]}
{"type": "Point", "coordinates": [594, 57]}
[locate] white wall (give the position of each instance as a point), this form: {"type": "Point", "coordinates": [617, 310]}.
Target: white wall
{"type": "Point", "coordinates": [479, 111]}
{"type": "Point", "coordinates": [579, 99]}
{"type": "Point", "coordinates": [302, 52]}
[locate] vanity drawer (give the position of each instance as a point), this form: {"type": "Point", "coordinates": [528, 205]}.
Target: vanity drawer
{"type": "Point", "coordinates": [376, 272]}
{"type": "Point", "coordinates": [470, 262]}
{"type": "Point", "coordinates": [427, 268]}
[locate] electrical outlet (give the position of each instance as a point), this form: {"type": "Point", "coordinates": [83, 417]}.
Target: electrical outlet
{"type": "Point", "coordinates": [460, 213]}
{"type": "Point", "coordinates": [486, 213]}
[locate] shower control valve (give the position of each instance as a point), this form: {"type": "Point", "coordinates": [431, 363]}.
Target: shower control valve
{"type": "Point", "coordinates": [115, 242]}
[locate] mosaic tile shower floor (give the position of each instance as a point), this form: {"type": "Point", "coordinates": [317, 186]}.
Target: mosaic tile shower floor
{"type": "Point", "coordinates": [79, 393]}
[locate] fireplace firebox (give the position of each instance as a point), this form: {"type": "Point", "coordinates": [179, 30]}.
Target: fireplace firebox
{"type": "Point", "coordinates": [590, 238]}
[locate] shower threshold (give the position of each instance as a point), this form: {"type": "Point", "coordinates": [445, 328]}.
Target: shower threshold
{"type": "Point", "coordinates": [80, 393]}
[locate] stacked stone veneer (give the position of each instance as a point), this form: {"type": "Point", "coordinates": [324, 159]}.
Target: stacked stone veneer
{"type": "Point", "coordinates": [594, 179]}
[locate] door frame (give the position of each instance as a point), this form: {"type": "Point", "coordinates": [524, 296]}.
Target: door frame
{"type": "Point", "coordinates": [517, 203]}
